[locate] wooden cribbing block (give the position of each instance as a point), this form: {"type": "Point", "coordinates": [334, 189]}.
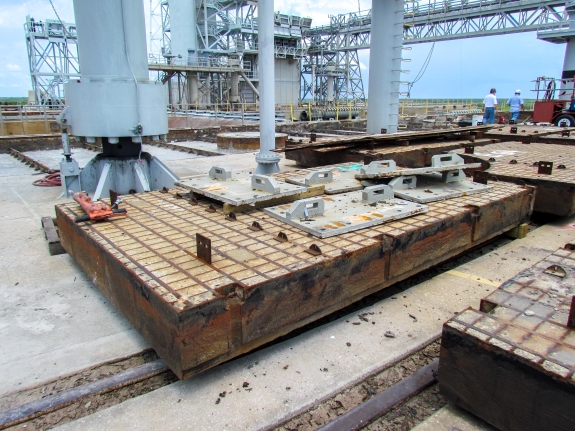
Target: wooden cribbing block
{"type": "Point", "coordinates": [51, 234]}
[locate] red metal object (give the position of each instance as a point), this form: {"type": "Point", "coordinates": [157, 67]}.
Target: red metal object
{"type": "Point", "coordinates": [502, 120]}
{"type": "Point", "coordinates": [95, 211]}
{"type": "Point", "coordinates": [545, 111]}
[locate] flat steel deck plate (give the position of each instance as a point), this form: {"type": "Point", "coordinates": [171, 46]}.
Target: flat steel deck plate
{"type": "Point", "coordinates": [431, 188]}
{"type": "Point", "coordinates": [237, 190]}
{"type": "Point", "coordinates": [347, 213]}
{"type": "Point", "coordinates": [343, 178]}
{"type": "Point", "coordinates": [417, 171]}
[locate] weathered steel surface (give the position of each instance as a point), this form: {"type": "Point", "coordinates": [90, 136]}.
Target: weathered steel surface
{"type": "Point", "coordinates": [246, 140]}
{"type": "Point", "coordinates": [512, 363]}
{"type": "Point", "coordinates": [524, 133]}
{"type": "Point", "coordinates": [237, 190]}
{"type": "Point", "coordinates": [343, 177]}
{"type": "Point", "coordinates": [409, 154]}
{"type": "Point", "coordinates": [430, 188]}
{"type": "Point", "coordinates": [519, 163]}
{"type": "Point", "coordinates": [347, 213]}
{"type": "Point", "coordinates": [416, 171]}
{"type": "Point", "coordinates": [258, 288]}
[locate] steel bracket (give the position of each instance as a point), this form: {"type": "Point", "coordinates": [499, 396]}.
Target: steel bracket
{"type": "Point", "coordinates": [318, 177]}
{"type": "Point", "coordinates": [378, 167]}
{"type": "Point", "coordinates": [220, 173]}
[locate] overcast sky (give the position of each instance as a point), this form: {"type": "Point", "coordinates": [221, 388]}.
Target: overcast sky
{"type": "Point", "coordinates": [458, 69]}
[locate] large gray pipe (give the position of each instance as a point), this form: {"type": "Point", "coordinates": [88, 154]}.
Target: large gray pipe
{"type": "Point", "coordinates": [385, 65]}
{"type": "Point", "coordinates": [267, 161]}
{"type": "Point", "coordinates": [183, 30]}
{"type": "Point", "coordinates": [111, 23]}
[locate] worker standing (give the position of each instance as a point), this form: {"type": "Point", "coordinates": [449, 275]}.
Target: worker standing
{"type": "Point", "coordinates": [515, 104]}
{"type": "Point", "coordinates": [489, 105]}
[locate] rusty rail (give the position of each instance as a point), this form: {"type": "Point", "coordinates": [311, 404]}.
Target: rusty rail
{"type": "Point", "coordinates": [31, 162]}
{"type": "Point", "coordinates": [386, 400]}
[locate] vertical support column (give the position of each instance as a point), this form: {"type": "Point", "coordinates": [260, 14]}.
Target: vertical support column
{"type": "Point", "coordinates": [385, 65]}
{"type": "Point", "coordinates": [192, 81]}
{"type": "Point", "coordinates": [568, 72]}
{"type": "Point", "coordinates": [329, 89]}
{"type": "Point", "coordinates": [267, 161]}
{"type": "Point", "coordinates": [235, 83]}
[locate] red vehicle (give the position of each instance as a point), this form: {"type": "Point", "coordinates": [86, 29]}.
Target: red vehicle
{"type": "Point", "coordinates": [550, 109]}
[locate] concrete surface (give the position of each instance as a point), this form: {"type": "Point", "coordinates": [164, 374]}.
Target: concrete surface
{"type": "Point", "coordinates": [317, 364]}
{"type": "Point", "coordinates": [53, 320]}
{"type": "Point", "coordinates": [452, 418]}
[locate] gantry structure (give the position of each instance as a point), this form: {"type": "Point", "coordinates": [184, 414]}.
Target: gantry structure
{"type": "Point", "coordinates": [327, 56]}
{"type": "Point", "coordinates": [52, 58]}
{"type": "Point", "coordinates": [332, 50]}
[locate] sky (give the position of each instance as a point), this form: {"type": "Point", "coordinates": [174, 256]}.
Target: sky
{"type": "Point", "coordinates": [459, 69]}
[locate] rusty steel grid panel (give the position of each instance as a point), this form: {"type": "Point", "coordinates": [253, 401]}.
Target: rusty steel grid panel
{"type": "Point", "coordinates": [197, 315]}
{"type": "Point", "coordinates": [519, 163]}
{"type": "Point", "coordinates": [512, 362]}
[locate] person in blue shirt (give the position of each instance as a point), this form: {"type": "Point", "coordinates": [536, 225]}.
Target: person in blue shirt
{"type": "Point", "coordinates": [515, 104]}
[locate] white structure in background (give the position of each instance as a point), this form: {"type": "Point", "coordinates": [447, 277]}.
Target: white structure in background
{"type": "Point", "coordinates": [52, 58]}
{"type": "Point", "coordinates": [224, 66]}
{"type": "Point", "coordinates": [114, 101]}
{"type": "Point", "coordinates": [385, 66]}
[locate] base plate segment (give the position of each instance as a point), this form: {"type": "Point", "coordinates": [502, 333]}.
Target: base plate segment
{"type": "Point", "coordinates": [346, 213]}
{"type": "Point", "coordinates": [431, 188]}
{"type": "Point", "coordinates": [237, 189]}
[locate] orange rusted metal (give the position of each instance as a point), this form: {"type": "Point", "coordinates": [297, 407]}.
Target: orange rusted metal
{"type": "Point", "coordinates": [95, 211]}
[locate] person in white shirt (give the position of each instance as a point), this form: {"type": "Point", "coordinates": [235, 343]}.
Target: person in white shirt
{"type": "Point", "coordinates": [515, 105]}
{"type": "Point", "coordinates": [489, 106]}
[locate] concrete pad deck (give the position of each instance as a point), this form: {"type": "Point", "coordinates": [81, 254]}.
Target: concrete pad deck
{"type": "Point", "coordinates": [290, 377]}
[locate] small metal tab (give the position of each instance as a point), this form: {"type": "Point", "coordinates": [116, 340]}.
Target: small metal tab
{"type": "Point", "coordinates": [193, 201]}
{"type": "Point", "coordinates": [281, 237]}
{"type": "Point", "coordinates": [480, 177]}
{"type": "Point", "coordinates": [211, 209]}
{"type": "Point", "coordinates": [204, 248]}
{"type": "Point", "coordinates": [556, 270]}
{"type": "Point", "coordinates": [469, 149]}
{"type": "Point", "coordinates": [312, 137]}
{"type": "Point", "coordinates": [220, 173]}
{"type": "Point", "coordinates": [265, 184]}
{"type": "Point", "coordinates": [513, 130]}
{"type": "Point", "coordinates": [232, 217]}
{"type": "Point", "coordinates": [314, 250]}
{"type": "Point", "coordinates": [255, 226]}
{"type": "Point", "coordinates": [565, 133]}
{"type": "Point", "coordinates": [545, 168]}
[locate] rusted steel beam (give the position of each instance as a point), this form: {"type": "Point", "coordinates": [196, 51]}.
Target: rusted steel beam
{"type": "Point", "coordinates": [257, 288]}
{"type": "Point", "coordinates": [413, 156]}
{"type": "Point", "coordinates": [526, 133]}
{"type": "Point", "coordinates": [385, 139]}
{"type": "Point", "coordinates": [31, 162]}
{"type": "Point", "coordinates": [512, 362]}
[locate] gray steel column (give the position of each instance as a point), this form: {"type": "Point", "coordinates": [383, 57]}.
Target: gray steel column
{"type": "Point", "coordinates": [569, 60]}
{"type": "Point", "coordinates": [267, 161]}
{"type": "Point", "coordinates": [385, 65]}
{"type": "Point", "coordinates": [183, 30]}
{"type": "Point", "coordinates": [235, 84]}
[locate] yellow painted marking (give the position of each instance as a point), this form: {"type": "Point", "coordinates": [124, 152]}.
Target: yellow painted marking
{"type": "Point", "coordinates": [474, 278]}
